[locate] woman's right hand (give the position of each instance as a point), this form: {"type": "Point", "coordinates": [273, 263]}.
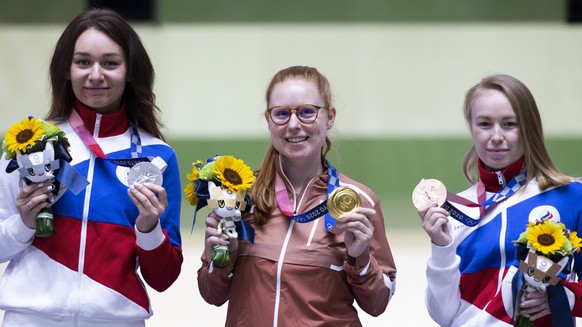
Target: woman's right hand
{"type": "Point", "coordinates": [31, 199]}
{"type": "Point", "coordinates": [212, 237]}
{"type": "Point", "coordinates": [435, 222]}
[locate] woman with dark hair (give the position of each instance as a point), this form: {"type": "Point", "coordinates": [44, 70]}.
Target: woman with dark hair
{"type": "Point", "coordinates": [138, 96]}
{"type": "Point", "coordinates": [473, 273]}
{"type": "Point", "coordinates": [125, 225]}
{"type": "Point", "coordinates": [303, 268]}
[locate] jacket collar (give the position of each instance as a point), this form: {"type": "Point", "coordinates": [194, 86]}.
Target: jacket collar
{"type": "Point", "coordinates": [111, 124]}
{"type": "Point", "coordinates": [495, 181]}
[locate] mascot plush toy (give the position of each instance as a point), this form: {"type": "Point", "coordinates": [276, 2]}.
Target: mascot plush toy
{"type": "Point", "coordinates": [222, 184]}
{"type": "Point", "coordinates": [544, 252]}
{"type": "Point", "coordinates": [39, 151]}
{"type": "Point", "coordinates": [228, 206]}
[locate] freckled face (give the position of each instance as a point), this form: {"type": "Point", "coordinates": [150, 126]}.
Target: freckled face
{"type": "Point", "coordinates": [296, 140]}
{"type": "Point", "coordinates": [98, 71]}
{"type": "Point", "coordinates": [494, 130]}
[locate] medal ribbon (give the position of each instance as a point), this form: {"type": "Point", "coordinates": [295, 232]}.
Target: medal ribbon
{"type": "Point", "coordinates": [310, 215]}
{"type": "Point", "coordinates": [513, 186]}
{"type": "Point", "coordinates": [84, 134]}
{"type": "Point", "coordinates": [79, 127]}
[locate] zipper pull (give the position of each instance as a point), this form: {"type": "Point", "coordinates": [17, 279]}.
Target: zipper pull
{"type": "Point", "coordinates": [97, 126]}
{"type": "Point", "coordinates": [500, 178]}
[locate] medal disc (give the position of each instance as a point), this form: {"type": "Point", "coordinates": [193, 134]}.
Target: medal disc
{"type": "Point", "coordinates": [429, 191]}
{"type": "Point", "coordinates": [144, 172]}
{"type": "Point", "coordinates": [342, 200]}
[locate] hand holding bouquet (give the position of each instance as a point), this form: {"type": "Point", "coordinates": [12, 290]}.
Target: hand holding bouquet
{"type": "Point", "coordinates": [549, 247]}
{"type": "Point", "coordinates": [222, 184]}
{"type": "Point", "coordinates": [34, 147]}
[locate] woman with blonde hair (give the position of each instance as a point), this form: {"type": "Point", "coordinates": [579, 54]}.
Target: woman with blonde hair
{"type": "Point", "coordinates": [472, 273]}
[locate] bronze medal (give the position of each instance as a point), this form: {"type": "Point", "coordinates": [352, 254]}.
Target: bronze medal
{"type": "Point", "coordinates": [342, 200]}
{"type": "Point", "coordinates": [429, 191]}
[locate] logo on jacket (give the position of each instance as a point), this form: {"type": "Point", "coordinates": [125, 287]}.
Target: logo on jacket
{"type": "Point", "coordinates": [122, 173]}
{"type": "Point", "coordinates": [544, 212]}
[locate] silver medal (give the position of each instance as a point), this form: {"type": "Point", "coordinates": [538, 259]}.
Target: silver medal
{"type": "Point", "coordinates": [144, 172]}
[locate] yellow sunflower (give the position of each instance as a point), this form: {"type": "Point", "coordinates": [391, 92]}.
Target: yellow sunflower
{"type": "Point", "coordinates": [190, 189]}
{"type": "Point", "coordinates": [233, 173]}
{"type": "Point", "coordinates": [546, 238]}
{"type": "Point", "coordinates": [575, 240]}
{"type": "Point", "coordinates": [195, 173]}
{"type": "Point", "coordinates": [190, 194]}
{"type": "Point", "coordinates": [23, 135]}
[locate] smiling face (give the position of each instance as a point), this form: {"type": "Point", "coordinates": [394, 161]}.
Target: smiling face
{"type": "Point", "coordinates": [495, 130]}
{"type": "Point", "coordinates": [295, 140]}
{"type": "Point", "coordinates": [98, 71]}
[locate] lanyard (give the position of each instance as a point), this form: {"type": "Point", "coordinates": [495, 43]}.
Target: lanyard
{"type": "Point", "coordinates": [510, 188]}
{"type": "Point", "coordinates": [79, 127]}
{"type": "Point", "coordinates": [310, 215]}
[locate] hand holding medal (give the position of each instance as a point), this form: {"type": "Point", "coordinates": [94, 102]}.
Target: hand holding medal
{"type": "Point", "coordinates": [429, 191]}
{"type": "Point", "coordinates": [342, 200]}
{"type": "Point", "coordinates": [145, 172]}
{"type": "Point", "coordinates": [434, 218]}
{"type": "Point", "coordinates": [433, 191]}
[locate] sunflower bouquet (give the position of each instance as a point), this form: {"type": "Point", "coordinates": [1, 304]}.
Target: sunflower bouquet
{"type": "Point", "coordinates": [34, 147]}
{"type": "Point", "coordinates": [549, 246]}
{"type": "Point", "coordinates": [221, 183]}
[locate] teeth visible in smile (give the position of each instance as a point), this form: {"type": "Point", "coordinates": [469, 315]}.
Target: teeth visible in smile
{"type": "Point", "coordinates": [296, 139]}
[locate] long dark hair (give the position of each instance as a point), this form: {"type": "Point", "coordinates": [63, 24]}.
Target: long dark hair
{"type": "Point", "coordinates": [138, 96]}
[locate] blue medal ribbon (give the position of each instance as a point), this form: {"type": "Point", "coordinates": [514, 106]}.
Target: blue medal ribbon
{"type": "Point", "coordinates": [459, 215]}
{"type": "Point", "coordinates": [135, 150]}
{"type": "Point", "coordinates": [320, 209]}
{"type": "Point", "coordinates": [510, 188]}
{"type": "Point", "coordinates": [332, 184]}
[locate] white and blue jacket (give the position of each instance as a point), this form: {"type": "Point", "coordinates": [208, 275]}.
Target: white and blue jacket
{"type": "Point", "coordinates": [469, 281]}
{"type": "Point", "coordinates": [90, 272]}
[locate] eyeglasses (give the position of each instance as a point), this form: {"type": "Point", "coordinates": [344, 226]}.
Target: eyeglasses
{"type": "Point", "coordinates": [306, 113]}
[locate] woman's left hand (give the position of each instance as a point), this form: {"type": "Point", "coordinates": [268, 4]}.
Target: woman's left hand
{"type": "Point", "coordinates": [359, 230]}
{"type": "Point", "coordinates": [151, 201]}
{"type": "Point", "coordinates": [535, 305]}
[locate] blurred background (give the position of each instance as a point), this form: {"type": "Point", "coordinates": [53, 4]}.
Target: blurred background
{"type": "Point", "coordinates": [399, 71]}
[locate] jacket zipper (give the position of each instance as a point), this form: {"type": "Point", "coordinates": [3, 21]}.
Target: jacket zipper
{"type": "Point", "coordinates": [85, 218]}
{"type": "Point", "coordinates": [500, 178]}
{"type": "Point", "coordinates": [296, 205]}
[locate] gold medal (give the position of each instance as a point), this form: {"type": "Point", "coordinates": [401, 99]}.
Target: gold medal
{"type": "Point", "coordinates": [342, 200]}
{"type": "Point", "coordinates": [429, 191]}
